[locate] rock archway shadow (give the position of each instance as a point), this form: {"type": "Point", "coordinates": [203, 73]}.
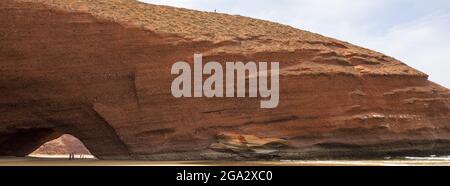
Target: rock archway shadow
{"type": "Point", "coordinates": [104, 76]}
{"type": "Point", "coordinates": [25, 142]}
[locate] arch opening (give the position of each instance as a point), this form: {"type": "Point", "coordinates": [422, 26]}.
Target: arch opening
{"type": "Point", "coordinates": [65, 146]}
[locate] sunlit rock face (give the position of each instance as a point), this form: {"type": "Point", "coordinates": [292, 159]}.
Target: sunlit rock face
{"type": "Point", "coordinates": [64, 145]}
{"type": "Point", "coordinates": [101, 71]}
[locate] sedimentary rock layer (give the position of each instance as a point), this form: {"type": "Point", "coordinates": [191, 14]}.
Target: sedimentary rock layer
{"type": "Point", "coordinates": [100, 71]}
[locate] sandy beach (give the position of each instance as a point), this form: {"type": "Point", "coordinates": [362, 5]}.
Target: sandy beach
{"type": "Point", "coordinates": [61, 161]}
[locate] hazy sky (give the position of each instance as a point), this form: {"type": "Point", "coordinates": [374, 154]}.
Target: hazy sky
{"type": "Point", "coordinates": [415, 32]}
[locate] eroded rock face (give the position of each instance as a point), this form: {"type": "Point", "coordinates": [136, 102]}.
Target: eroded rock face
{"type": "Point", "coordinates": [100, 71]}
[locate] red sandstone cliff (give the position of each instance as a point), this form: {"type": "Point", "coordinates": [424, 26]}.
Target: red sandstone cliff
{"type": "Point", "coordinates": [100, 70]}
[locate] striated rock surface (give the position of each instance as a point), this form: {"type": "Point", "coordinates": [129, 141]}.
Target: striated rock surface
{"type": "Point", "coordinates": [100, 71]}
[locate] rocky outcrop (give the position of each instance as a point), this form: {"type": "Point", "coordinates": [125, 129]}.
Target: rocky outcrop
{"type": "Point", "coordinates": [100, 71]}
{"type": "Point", "coordinates": [64, 145]}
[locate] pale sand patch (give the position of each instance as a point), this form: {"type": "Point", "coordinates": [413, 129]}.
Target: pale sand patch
{"type": "Point", "coordinates": [63, 161]}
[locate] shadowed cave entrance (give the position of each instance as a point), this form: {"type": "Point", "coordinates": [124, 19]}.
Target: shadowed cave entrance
{"type": "Point", "coordinates": [44, 143]}
{"type": "Point", "coordinates": [22, 142]}
{"type": "Point", "coordinates": [25, 142]}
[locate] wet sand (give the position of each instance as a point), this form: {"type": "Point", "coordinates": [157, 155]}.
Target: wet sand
{"type": "Point", "coordinates": [30, 161]}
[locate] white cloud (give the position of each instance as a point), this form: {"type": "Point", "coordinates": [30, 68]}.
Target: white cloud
{"type": "Point", "coordinates": [423, 44]}
{"type": "Point", "coordinates": [416, 32]}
